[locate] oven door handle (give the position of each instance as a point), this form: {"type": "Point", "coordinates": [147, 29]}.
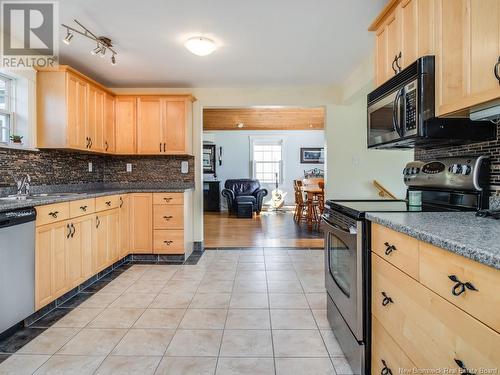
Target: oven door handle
{"type": "Point", "coordinates": [338, 227]}
{"type": "Point", "coordinates": [396, 116]}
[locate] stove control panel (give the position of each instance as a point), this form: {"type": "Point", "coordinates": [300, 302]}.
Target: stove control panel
{"type": "Point", "coordinates": [461, 173]}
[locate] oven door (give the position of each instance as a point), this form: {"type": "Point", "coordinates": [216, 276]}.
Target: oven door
{"type": "Point", "coordinates": [385, 119]}
{"type": "Point", "coordinates": [343, 276]}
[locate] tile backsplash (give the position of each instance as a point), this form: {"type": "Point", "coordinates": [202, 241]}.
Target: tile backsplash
{"type": "Point", "coordinates": [491, 149]}
{"type": "Point", "coordinates": [56, 167]}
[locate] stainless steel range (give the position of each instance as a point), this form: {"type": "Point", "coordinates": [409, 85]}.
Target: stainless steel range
{"type": "Point", "coordinates": [448, 184]}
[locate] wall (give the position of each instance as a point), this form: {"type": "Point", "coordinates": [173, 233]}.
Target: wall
{"type": "Point", "coordinates": [53, 167]}
{"type": "Point", "coordinates": [491, 149]}
{"type": "Point", "coordinates": [236, 155]}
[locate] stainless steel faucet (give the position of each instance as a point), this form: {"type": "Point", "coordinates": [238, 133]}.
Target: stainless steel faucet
{"type": "Point", "coordinates": [23, 185]}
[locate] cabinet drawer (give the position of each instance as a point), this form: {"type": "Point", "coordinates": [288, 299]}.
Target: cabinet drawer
{"type": "Point", "coordinates": [436, 267]}
{"type": "Point", "coordinates": [386, 353]}
{"type": "Point", "coordinates": [81, 207]}
{"type": "Point", "coordinates": [429, 329]}
{"type": "Point", "coordinates": [168, 217]}
{"type": "Point", "coordinates": [168, 198]}
{"type": "Point", "coordinates": [168, 241]}
{"type": "Point", "coordinates": [107, 203]}
{"type": "Point", "coordinates": [397, 248]}
{"type": "Point", "coordinates": [52, 213]}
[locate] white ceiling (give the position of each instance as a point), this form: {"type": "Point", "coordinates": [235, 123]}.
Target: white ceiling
{"type": "Point", "coordinates": [262, 42]}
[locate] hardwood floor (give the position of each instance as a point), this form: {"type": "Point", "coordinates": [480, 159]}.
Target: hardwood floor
{"type": "Point", "coordinates": [270, 229]}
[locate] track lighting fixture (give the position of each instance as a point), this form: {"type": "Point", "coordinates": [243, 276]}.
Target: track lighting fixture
{"type": "Point", "coordinates": [103, 43]}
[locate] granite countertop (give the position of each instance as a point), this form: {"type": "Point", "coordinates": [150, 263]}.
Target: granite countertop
{"type": "Point", "coordinates": [460, 232]}
{"type": "Point", "coordinates": [84, 192]}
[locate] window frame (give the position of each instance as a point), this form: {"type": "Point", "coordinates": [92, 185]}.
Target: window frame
{"type": "Point", "coordinates": [272, 141]}
{"type": "Point", "coordinates": [9, 111]}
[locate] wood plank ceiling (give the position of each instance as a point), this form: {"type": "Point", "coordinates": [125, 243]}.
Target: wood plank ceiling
{"type": "Point", "coordinates": [264, 118]}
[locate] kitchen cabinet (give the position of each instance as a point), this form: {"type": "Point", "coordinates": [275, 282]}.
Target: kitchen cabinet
{"type": "Point", "coordinates": [410, 312]}
{"type": "Point", "coordinates": [95, 119]}
{"type": "Point", "coordinates": [162, 125]}
{"type": "Point", "coordinates": [106, 233]}
{"type": "Point", "coordinates": [141, 223]}
{"type": "Point", "coordinates": [50, 262]}
{"type": "Point", "coordinates": [109, 124]}
{"type": "Point", "coordinates": [125, 124]}
{"type": "Point", "coordinates": [79, 245]}
{"type": "Point", "coordinates": [124, 235]}
{"type": "Point", "coordinates": [150, 125]}
{"type": "Point", "coordinates": [76, 112]}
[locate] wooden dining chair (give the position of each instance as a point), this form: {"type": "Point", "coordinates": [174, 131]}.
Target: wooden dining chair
{"type": "Point", "coordinates": [300, 204]}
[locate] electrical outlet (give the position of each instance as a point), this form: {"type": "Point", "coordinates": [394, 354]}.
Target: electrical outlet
{"type": "Point", "coordinates": [90, 167]}
{"type": "Point", "coordinates": [184, 167]}
{"type": "Point", "coordinates": [129, 167]}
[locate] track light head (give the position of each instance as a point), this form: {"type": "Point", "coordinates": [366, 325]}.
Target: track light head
{"type": "Point", "coordinates": [96, 50]}
{"type": "Point", "coordinates": [113, 59]}
{"type": "Point", "coordinates": [102, 52]}
{"type": "Point", "coordinates": [67, 39]}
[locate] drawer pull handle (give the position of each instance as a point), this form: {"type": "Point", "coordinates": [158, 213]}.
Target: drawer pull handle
{"type": "Point", "coordinates": [73, 230]}
{"type": "Point", "coordinates": [385, 370]}
{"type": "Point", "coordinates": [54, 214]}
{"type": "Point", "coordinates": [168, 242]}
{"type": "Point", "coordinates": [83, 208]}
{"type": "Point", "coordinates": [389, 248]}
{"type": "Point", "coordinates": [460, 287]}
{"type": "Point", "coordinates": [121, 202]}
{"type": "Point", "coordinates": [69, 230]}
{"type": "Point", "coordinates": [167, 217]}
{"type": "Point", "coordinates": [386, 299]}
{"type": "Point", "coordinates": [167, 199]}
{"type": "Point", "coordinates": [108, 203]}
{"type": "Point", "coordinates": [462, 367]}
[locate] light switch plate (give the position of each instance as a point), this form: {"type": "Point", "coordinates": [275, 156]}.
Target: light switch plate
{"type": "Point", "coordinates": [184, 167]}
{"type": "Point", "coordinates": [129, 167]}
{"type": "Point", "coordinates": [90, 167]}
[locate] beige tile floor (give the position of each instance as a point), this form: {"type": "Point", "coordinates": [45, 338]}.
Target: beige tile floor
{"type": "Point", "coordinates": [250, 311]}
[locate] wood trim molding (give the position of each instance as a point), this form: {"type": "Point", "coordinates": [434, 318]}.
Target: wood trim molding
{"type": "Point", "coordinates": [383, 14]}
{"type": "Point", "coordinates": [262, 118]}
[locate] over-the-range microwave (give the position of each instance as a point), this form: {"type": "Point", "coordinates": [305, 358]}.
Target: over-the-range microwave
{"type": "Point", "coordinates": [401, 113]}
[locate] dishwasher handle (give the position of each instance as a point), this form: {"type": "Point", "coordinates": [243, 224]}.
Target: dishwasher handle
{"type": "Point", "coordinates": [16, 217]}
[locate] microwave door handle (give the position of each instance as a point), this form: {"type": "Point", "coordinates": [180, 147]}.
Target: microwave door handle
{"type": "Point", "coordinates": [396, 114]}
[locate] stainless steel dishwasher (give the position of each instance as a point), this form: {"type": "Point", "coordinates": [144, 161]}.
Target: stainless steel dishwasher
{"type": "Point", "coordinates": [17, 266]}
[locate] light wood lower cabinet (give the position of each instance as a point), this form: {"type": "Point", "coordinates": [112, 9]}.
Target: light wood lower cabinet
{"type": "Point", "coordinates": [124, 235]}
{"type": "Point", "coordinates": [141, 223]}
{"type": "Point", "coordinates": [106, 234]}
{"type": "Point", "coordinates": [79, 250]}
{"type": "Point", "coordinates": [419, 321]}
{"type": "Point", "coordinates": [168, 242]}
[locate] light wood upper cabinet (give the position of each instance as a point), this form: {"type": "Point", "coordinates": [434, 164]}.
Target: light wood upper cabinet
{"type": "Point", "coordinates": [95, 121]}
{"type": "Point", "coordinates": [76, 112]}
{"type": "Point", "coordinates": [141, 223]}
{"type": "Point", "coordinates": [409, 38]}
{"type": "Point", "coordinates": [381, 57]}
{"type": "Point", "coordinates": [149, 125]}
{"type": "Point", "coordinates": [125, 124]}
{"type": "Point", "coordinates": [109, 124]}
{"type": "Point", "coordinates": [176, 114]}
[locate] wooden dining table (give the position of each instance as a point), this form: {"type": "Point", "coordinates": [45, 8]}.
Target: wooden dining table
{"type": "Point", "coordinates": [311, 192]}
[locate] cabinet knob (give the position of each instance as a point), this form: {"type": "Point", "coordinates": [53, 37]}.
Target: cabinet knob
{"type": "Point", "coordinates": [460, 287]}
{"type": "Point", "coordinates": [385, 370]}
{"type": "Point", "coordinates": [168, 243]}
{"type": "Point", "coordinates": [54, 214]}
{"type": "Point", "coordinates": [389, 248]}
{"type": "Point", "coordinates": [386, 299]}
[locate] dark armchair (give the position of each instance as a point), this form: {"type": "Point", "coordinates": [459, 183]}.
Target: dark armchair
{"type": "Point", "coordinates": [243, 190]}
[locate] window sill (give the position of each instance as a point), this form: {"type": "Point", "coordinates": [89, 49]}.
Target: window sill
{"type": "Point", "coordinates": [22, 147]}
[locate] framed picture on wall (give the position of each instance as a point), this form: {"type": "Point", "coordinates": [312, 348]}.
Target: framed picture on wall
{"type": "Point", "coordinates": [208, 158]}
{"type": "Point", "coordinates": [312, 155]}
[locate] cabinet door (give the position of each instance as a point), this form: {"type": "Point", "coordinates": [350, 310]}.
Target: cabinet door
{"type": "Point", "coordinates": [50, 263]}
{"type": "Point", "coordinates": [149, 125]}
{"type": "Point", "coordinates": [76, 111]}
{"type": "Point", "coordinates": [95, 116]}
{"type": "Point", "coordinates": [484, 50]}
{"type": "Point", "coordinates": [393, 31]}
{"type": "Point", "coordinates": [174, 129]}
{"type": "Point", "coordinates": [409, 32]}
{"type": "Point", "coordinates": [109, 124]}
{"type": "Point", "coordinates": [125, 125]}
{"type": "Point", "coordinates": [124, 234]}
{"type": "Point", "coordinates": [101, 242]}
{"type": "Point", "coordinates": [79, 250]}
{"type": "Point", "coordinates": [381, 63]}
{"type": "Point", "coordinates": [113, 228]}
{"type": "Point", "coordinates": [141, 223]}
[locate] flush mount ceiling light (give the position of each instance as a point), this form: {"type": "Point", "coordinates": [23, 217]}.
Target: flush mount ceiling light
{"type": "Point", "coordinates": [103, 43]}
{"type": "Point", "coordinates": [200, 46]}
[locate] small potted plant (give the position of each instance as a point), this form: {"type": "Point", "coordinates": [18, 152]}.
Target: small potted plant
{"type": "Point", "coordinates": [17, 139]}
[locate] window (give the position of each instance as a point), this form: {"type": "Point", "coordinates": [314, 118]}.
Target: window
{"type": "Point", "coordinates": [6, 104]}
{"type": "Point", "coordinates": [267, 157]}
